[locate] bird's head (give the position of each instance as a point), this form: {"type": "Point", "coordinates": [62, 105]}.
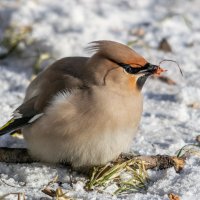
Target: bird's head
{"type": "Point", "coordinates": [121, 64]}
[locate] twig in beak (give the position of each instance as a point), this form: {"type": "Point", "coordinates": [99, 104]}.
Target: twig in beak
{"type": "Point", "coordinates": [173, 62]}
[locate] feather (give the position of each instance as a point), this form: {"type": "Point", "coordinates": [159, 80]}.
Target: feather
{"type": "Point", "coordinates": [14, 124]}
{"type": "Point", "coordinates": [116, 52]}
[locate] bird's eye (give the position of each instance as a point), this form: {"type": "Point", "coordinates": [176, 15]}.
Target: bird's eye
{"type": "Point", "coordinates": [130, 69]}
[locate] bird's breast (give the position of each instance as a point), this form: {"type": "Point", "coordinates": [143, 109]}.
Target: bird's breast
{"type": "Point", "coordinates": [120, 110]}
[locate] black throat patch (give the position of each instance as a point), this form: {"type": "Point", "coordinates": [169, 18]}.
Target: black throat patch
{"type": "Point", "coordinates": [141, 81]}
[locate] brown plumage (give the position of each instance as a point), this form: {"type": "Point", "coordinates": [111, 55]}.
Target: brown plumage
{"type": "Point", "coordinates": [84, 111]}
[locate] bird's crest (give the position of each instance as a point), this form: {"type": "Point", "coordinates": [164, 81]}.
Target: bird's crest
{"type": "Point", "coordinates": [116, 52]}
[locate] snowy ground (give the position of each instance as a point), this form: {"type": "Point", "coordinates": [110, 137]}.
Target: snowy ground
{"type": "Point", "coordinates": [64, 28]}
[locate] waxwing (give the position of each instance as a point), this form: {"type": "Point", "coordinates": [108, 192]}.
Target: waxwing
{"type": "Point", "coordinates": [84, 110]}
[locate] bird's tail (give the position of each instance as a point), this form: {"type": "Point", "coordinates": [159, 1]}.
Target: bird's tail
{"type": "Point", "coordinates": [13, 124]}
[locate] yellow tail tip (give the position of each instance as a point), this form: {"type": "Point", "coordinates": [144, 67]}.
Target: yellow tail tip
{"type": "Point", "coordinates": [7, 124]}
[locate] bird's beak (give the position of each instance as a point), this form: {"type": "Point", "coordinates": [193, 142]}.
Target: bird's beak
{"type": "Point", "coordinates": [147, 71]}
{"type": "Point", "coordinates": [150, 69]}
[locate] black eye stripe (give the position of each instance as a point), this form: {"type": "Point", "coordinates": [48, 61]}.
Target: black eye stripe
{"type": "Point", "coordinates": [131, 70]}
{"type": "Point", "coordinates": [134, 70]}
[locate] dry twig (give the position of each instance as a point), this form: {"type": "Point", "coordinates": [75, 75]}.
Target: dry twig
{"type": "Point", "coordinates": [15, 155]}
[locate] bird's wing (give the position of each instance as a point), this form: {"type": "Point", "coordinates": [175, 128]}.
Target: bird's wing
{"type": "Point", "coordinates": [63, 75]}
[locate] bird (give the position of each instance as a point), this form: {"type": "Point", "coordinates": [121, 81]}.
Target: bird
{"type": "Point", "coordinates": [84, 110]}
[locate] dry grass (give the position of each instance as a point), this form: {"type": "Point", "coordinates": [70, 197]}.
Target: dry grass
{"type": "Point", "coordinates": [188, 150]}
{"type": "Point", "coordinates": [57, 194]}
{"type": "Point", "coordinates": [13, 37]}
{"type": "Point", "coordinates": [17, 41]}
{"type": "Point", "coordinates": [129, 176]}
{"type": "Point", "coordinates": [19, 195]}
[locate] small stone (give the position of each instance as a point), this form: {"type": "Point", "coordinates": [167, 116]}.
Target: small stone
{"type": "Point", "coordinates": [164, 45]}
{"type": "Point", "coordinates": [198, 138]}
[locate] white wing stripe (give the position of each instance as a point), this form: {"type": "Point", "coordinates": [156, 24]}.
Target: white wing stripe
{"type": "Point", "coordinates": [35, 117]}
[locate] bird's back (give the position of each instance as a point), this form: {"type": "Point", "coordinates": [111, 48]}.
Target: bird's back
{"type": "Point", "coordinates": [68, 72]}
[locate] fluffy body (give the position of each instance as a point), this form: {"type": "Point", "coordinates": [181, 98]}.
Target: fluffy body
{"type": "Point", "coordinates": [87, 134]}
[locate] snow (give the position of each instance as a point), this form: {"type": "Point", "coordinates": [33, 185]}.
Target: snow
{"type": "Point", "coordinates": [64, 28]}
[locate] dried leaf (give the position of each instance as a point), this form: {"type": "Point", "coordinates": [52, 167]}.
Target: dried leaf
{"type": "Point", "coordinates": [198, 138]}
{"type": "Point", "coordinates": [173, 196]}
{"type": "Point", "coordinates": [58, 193]}
{"type": "Point", "coordinates": [195, 105]}
{"type": "Point", "coordinates": [179, 163]}
{"type": "Point", "coordinates": [49, 192]}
